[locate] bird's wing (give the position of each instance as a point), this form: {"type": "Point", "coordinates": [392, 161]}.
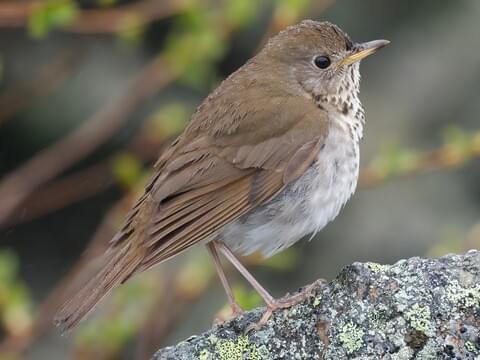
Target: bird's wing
{"type": "Point", "coordinates": [209, 178]}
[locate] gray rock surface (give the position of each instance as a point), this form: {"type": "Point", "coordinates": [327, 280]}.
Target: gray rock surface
{"type": "Point", "coordinates": [415, 309]}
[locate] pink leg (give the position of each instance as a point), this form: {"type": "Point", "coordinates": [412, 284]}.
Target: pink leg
{"type": "Point", "coordinates": [236, 309]}
{"type": "Point", "coordinates": [272, 304]}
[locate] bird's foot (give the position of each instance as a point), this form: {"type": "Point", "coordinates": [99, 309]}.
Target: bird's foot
{"type": "Point", "coordinates": [224, 316]}
{"type": "Point", "coordinates": [285, 302]}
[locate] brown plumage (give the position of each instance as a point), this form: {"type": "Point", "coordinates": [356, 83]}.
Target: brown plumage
{"type": "Point", "coordinates": [258, 132]}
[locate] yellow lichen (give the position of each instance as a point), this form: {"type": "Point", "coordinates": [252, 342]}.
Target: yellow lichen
{"type": "Point", "coordinates": [467, 297]}
{"type": "Point", "coordinates": [375, 267]}
{"type": "Point", "coordinates": [419, 318]}
{"type": "Point", "coordinates": [240, 349]}
{"type": "Point", "coordinates": [351, 337]}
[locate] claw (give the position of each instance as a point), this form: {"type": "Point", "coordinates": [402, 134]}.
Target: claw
{"type": "Point", "coordinates": [223, 316]}
{"type": "Point", "coordinates": [282, 303]}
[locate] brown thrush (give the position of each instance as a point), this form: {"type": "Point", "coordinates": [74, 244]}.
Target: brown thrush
{"type": "Point", "coordinates": [270, 156]}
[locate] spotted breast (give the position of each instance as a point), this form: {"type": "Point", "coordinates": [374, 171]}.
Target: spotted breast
{"type": "Point", "coordinates": [317, 197]}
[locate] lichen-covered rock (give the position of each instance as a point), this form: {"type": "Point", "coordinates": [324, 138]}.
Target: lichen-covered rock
{"type": "Point", "coordinates": [417, 308]}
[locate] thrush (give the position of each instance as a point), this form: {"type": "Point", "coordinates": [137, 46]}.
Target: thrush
{"type": "Point", "coordinates": [270, 156]}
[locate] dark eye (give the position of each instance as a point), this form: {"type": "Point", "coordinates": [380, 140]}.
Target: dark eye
{"type": "Point", "coordinates": [322, 61]}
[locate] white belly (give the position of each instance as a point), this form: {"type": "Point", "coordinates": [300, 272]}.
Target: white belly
{"type": "Point", "coordinates": [305, 206]}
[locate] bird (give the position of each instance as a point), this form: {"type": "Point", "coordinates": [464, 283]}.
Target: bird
{"type": "Point", "coordinates": [269, 157]}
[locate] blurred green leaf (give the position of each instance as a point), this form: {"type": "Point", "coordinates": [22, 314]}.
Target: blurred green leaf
{"type": "Point", "coordinates": [111, 334]}
{"type": "Point", "coordinates": [15, 300]}
{"type": "Point", "coordinates": [239, 13]}
{"type": "Point", "coordinates": [8, 266]}
{"type": "Point", "coordinates": [393, 160]}
{"type": "Point", "coordinates": [454, 135]}
{"type": "Point", "coordinates": [169, 120]}
{"type": "Point", "coordinates": [283, 261]}
{"type": "Point", "coordinates": [460, 143]}
{"type": "Point", "coordinates": [50, 14]}
{"type": "Point", "coordinates": [289, 11]}
{"type": "Point", "coordinates": [128, 306]}
{"type": "Point", "coordinates": [132, 31]}
{"type": "Point", "coordinates": [247, 299]}
{"type": "Point", "coordinates": [127, 169]}
{"type": "Point", "coordinates": [194, 45]}
{"type": "Point", "coordinates": [195, 275]}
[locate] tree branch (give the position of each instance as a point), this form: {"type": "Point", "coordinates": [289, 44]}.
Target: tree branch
{"type": "Point", "coordinates": [15, 14]}
{"type": "Point", "coordinates": [416, 308]}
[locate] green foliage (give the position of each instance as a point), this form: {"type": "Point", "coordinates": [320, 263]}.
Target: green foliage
{"type": "Point", "coordinates": [291, 10]}
{"type": "Point", "coordinates": [461, 144]}
{"type": "Point", "coordinates": [283, 261]}
{"type": "Point", "coordinates": [195, 45]}
{"type": "Point", "coordinates": [15, 301]}
{"type": "Point", "coordinates": [169, 120]}
{"type": "Point", "coordinates": [132, 30]}
{"type": "Point", "coordinates": [195, 275]}
{"type": "Point", "coordinates": [247, 299]}
{"type": "Point", "coordinates": [393, 160]}
{"type": "Point", "coordinates": [126, 313]}
{"type": "Point", "coordinates": [199, 38]}
{"type": "Point", "coordinates": [50, 14]}
{"type": "Point", "coordinates": [239, 13]}
{"type": "Point", "coordinates": [127, 169]}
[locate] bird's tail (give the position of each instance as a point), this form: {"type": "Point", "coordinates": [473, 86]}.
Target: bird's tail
{"type": "Point", "coordinates": [119, 266]}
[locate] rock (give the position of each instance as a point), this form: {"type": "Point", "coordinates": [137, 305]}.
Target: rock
{"type": "Point", "coordinates": [416, 308]}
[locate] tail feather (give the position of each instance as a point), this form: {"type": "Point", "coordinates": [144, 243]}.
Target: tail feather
{"type": "Point", "coordinates": [117, 270]}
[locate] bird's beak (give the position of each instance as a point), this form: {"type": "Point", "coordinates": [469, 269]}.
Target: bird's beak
{"type": "Point", "coordinates": [363, 50]}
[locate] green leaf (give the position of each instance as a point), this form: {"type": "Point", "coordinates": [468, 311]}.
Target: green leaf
{"type": "Point", "coordinates": [132, 30]}
{"type": "Point", "coordinates": [194, 46]}
{"type": "Point", "coordinates": [127, 169]}
{"type": "Point", "coordinates": [169, 120]}
{"type": "Point", "coordinates": [393, 160]}
{"type": "Point", "coordinates": [239, 13]}
{"type": "Point", "coordinates": [283, 261]}
{"type": "Point", "coordinates": [291, 10]}
{"type": "Point", "coordinates": [15, 300]}
{"type": "Point", "coordinates": [122, 317]}
{"type": "Point", "coordinates": [247, 299]}
{"type": "Point", "coordinates": [8, 266]}
{"type": "Point", "coordinates": [195, 275]}
{"type": "Point", "coordinates": [50, 14]}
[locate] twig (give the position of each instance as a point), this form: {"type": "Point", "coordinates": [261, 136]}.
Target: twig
{"type": "Point", "coordinates": [50, 162]}
{"type": "Point", "coordinates": [94, 21]}
{"type": "Point", "coordinates": [84, 183]}
{"type": "Point", "coordinates": [448, 156]}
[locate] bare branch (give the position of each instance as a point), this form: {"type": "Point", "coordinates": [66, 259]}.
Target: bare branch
{"type": "Point", "coordinates": [15, 14]}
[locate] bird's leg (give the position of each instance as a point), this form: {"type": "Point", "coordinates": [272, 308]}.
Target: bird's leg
{"type": "Point", "coordinates": [272, 303]}
{"type": "Point", "coordinates": [236, 309]}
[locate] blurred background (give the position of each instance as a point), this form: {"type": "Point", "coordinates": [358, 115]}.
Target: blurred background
{"type": "Point", "coordinates": [90, 92]}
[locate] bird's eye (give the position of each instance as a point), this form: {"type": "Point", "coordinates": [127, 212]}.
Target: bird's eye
{"type": "Point", "coordinates": [322, 61]}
